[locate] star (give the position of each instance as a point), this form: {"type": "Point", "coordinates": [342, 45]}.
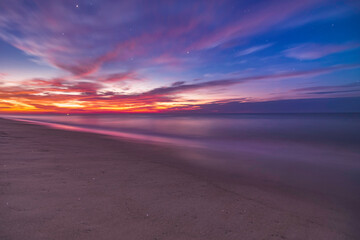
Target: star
{"type": "Point", "coordinates": [77, 6]}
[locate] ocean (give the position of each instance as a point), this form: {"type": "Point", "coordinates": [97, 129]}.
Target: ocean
{"type": "Point", "coordinates": [311, 152]}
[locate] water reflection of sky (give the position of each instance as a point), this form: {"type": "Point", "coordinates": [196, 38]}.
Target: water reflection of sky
{"type": "Point", "coordinates": [337, 130]}
{"type": "Point", "coordinates": [314, 152]}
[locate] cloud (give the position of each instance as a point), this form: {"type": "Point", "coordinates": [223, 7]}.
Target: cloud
{"type": "Point", "coordinates": [82, 40]}
{"type": "Point", "coordinates": [335, 89]}
{"type": "Point", "coordinates": [118, 77]}
{"type": "Point", "coordinates": [254, 20]}
{"type": "Point", "coordinates": [311, 51]}
{"type": "Point", "coordinates": [254, 49]}
{"type": "Point", "coordinates": [62, 92]}
{"type": "Point", "coordinates": [174, 89]}
{"type": "Point", "coordinates": [177, 84]}
{"type": "Point", "coordinates": [328, 13]}
{"type": "Point", "coordinates": [335, 92]}
{"type": "Point", "coordinates": [311, 105]}
{"type": "Point", "coordinates": [349, 85]}
{"type": "Point", "coordinates": [2, 77]}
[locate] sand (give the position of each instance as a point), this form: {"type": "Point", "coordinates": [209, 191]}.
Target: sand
{"type": "Point", "coordinates": [57, 184]}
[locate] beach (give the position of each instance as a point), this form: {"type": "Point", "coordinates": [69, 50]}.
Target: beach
{"type": "Point", "coordinates": [58, 184]}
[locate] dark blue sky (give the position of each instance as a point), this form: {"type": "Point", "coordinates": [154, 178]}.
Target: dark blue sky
{"type": "Point", "coordinates": [156, 56]}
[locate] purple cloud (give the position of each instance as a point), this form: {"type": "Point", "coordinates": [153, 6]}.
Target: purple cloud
{"type": "Point", "coordinates": [312, 51]}
{"type": "Point", "coordinates": [80, 40]}
{"type": "Point", "coordinates": [310, 105]}
{"type": "Point", "coordinates": [334, 89]}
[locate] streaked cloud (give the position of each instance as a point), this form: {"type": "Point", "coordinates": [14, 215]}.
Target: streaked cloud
{"type": "Point", "coordinates": [331, 89]}
{"type": "Point", "coordinates": [253, 49]}
{"type": "Point", "coordinates": [87, 94]}
{"type": "Point", "coordinates": [309, 105]}
{"type": "Point", "coordinates": [311, 51]}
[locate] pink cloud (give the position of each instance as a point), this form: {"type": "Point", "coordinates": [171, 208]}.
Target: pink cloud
{"type": "Point", "coordinates": [119, 77]}
{"type": "Point", "coordinates": [3, 75]}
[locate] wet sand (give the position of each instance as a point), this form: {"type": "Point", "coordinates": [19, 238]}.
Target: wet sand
{"type": "Point", "coordinates": [57, 184]}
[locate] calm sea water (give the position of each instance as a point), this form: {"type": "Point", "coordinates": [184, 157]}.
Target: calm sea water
{"type": "Point", "coordinates": [316, 152]}
{"type": "Point", "coordinates": [337, 130]}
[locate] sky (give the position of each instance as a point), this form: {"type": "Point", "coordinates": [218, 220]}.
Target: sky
{"type": "Point", "coordinates": [83, 56]}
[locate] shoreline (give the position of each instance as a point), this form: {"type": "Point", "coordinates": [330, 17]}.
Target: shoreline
{"type": "Point", "coordinates": [58, 184]}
